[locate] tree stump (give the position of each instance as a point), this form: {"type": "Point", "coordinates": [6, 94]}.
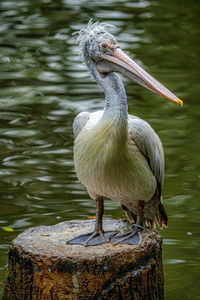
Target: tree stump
{"type": "Point", "coordinates": [42, 266]}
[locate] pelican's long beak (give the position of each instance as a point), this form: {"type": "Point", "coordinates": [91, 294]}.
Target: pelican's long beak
{"type": "Point", "coordinates": [139, 75]}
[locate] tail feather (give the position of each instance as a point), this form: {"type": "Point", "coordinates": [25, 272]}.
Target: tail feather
{"type": "Point", "coordinates": [161, 216]}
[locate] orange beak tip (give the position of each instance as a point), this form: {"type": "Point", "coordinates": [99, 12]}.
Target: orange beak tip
{"type": "Point", "coordinates": [180, 102]}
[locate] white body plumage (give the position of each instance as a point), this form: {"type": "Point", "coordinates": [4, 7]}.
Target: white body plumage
{"type": "Point", "coordinates": [110, 164]}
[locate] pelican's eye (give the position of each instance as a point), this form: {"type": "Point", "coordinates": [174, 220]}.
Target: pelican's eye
{"type": "Point", "coordinates": [105, 46]}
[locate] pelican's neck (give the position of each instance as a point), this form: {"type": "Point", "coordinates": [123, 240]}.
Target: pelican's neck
{"type": "Point", "coordinates": [115, 97]}
{"type": "Point", "coordinates": [115, 116]}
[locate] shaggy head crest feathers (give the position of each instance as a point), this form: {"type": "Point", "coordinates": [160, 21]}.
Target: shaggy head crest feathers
{"type": "Point", "coordinates": [92, 31]}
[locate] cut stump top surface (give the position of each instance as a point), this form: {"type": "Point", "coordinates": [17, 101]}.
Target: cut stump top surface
{"type": "Point", "coordinates": [50, 241]}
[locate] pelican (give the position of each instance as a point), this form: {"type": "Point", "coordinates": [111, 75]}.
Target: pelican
{"type": "Point", "coordinates": [118, 156]}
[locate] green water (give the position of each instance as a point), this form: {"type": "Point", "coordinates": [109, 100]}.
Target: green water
{"type": "Point", "coordinates": [44, 85]}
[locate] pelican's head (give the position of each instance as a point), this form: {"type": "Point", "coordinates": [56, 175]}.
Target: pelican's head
{"type": "Point", "coordinates": [103, 55]}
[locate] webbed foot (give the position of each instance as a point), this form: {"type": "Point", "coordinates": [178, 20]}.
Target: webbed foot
{"type": "Point", "coordinates": [93, 238]}
{"type": "Point", "coordinates": [129, 238]}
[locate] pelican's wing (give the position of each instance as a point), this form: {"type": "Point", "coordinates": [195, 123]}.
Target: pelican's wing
{"type": "Point", "coordinates": [150, 145]}
{"type": "Point", "coordinates": [87, 120]}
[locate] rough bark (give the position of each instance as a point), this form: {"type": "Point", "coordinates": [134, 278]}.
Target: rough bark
{"type": "Point", "coordinates": [42, 266]}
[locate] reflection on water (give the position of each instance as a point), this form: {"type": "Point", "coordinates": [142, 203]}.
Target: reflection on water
{"type": "Point", "coordinates": [44, 85]}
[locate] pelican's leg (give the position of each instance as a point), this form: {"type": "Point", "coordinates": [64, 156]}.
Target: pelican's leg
{"type": "Point", "coordinates": [98, 236]}
{"type": "Point", "coordinates": [133, 237]}
{"type": "Point", "coordinates": [98, 230]}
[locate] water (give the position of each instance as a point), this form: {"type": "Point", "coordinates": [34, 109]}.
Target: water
{"type": "Point", "coordinates": [43, 87]}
